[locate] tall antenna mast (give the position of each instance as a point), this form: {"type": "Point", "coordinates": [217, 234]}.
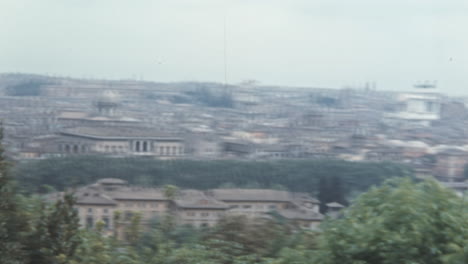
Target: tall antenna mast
{"type": "Point", "coordinates": [225, 47]}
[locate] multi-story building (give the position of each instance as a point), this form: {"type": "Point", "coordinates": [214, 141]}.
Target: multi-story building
{"type": "Point", "coordinates": [114, 203]}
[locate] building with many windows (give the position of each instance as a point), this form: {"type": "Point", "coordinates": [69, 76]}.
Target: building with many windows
{"type": "Point", "coordinates": [113, 202]}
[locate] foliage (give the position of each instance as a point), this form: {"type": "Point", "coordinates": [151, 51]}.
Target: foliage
{"type": "Point", "coordinates": [26, 88]}
{"type": "Point", "coordinates": [212, 97]}
{"type": "Point", "coordinates": [400, 222]}
{"type": "Point", "coordinates": [294, 256]}
{"type": "Point", "coordinates": [55, 236]}
{"type": "Point", "coordinates": [262, 237]}
{"type": "Point", "coordinates": [12, 221]}
{"type": "Point", "coordinates": [294, 175]}
{"type": "Point", "coordinates": [170, 191]}
{"type": "Point", "coordinates": [97, 249]}
{"type": "Point", "coordinates": [330, 190]}
{"type": "Point", "coordinates": [134, 228]}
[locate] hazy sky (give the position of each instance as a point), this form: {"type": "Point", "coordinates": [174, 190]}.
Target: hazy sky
{"type": "Point", "coordinates": [319, 43]}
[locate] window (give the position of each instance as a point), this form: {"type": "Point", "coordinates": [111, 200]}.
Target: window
{"type": "Point", "coordinates": [430, 107]}
{"type": "Point", "coordinates": [90, 210]}
{"type": "Point", "coordinates": [205, 214]}
{"type": "Point", "coordinates": [191, 214]}
{"type": "Point", "coordinates": [168, 151]}
{"type": "Point", "coordinates": [137, 146]}
{"type": "Point", "coordinates": [161, 150]}
{"type": "Point", "coordinates": [154, 205]}
{"type": "Point", "coordinates": [246, 206]}
{"type": "Point", "coordinates": [234, 206]}
{"type": "Point", "coordinates": [174, 151]}
{"type": "Point", "coordinates": [105, 210]}
{"type": "Point", "coordinates": [272, 207]}
{"type": "Point", "coordinates": [128, 215]}
{"type": "Point", "coordinates": [106, 221]}
{"type": "Point", "coordinates": [89, 222]}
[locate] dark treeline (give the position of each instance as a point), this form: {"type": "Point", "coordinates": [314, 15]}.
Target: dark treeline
{"type": "Point", "coordinates": [30, 87]}
{"type": "Point", "coordinates": [212, 97]}
{"type": "Point", "coordinates": [292, 175]}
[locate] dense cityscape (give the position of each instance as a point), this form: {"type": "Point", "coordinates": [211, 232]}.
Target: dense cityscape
{"type": "Point", "coordinates": [62, 120]}
{"type": "Point", "coordinates": [233, 132]}
{"type": "Point", "coordinates": [54, 117]}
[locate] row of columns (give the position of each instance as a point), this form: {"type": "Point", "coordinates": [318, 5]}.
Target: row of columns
{"type": "Point", "coordinates": [142, 146]}
{"type": "Point", "coordinates": [74, 148]}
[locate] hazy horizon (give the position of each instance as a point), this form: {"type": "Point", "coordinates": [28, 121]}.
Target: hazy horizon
{"type": "Point", "coordinates": [322, 43]}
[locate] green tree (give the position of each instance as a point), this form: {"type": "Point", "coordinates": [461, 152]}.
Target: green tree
{"type": "Point", "coordinates": [168, 222]}
{"type": "Point", "coordinates": [56, 236]}
{"type": "Point", "coordinates": [133, 230]}
{"type": "Point", "coordinates": [294, 256]}
{"type": "Point", "coordinates": [294, 175]}
{"type": "Point", "coordinates": [400, 222]}
{"type": "Point", "coordinates": [170, 192]}
{"type": "Point", "coordinates": [261, 237]}
{"type": "Point", "coordinates": [330, 190]}
{"type": "Point", "coordinates": [13, 224]}
{"type": "Point", "coordinates": [97, 249]}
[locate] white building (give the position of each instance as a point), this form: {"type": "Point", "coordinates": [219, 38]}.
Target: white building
{"type": "Point", "coordinates": [420, 107]}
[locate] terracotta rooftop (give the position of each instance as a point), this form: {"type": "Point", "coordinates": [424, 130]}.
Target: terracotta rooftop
{"type": "Point", "coordinates": [250, 195]}
{"type": "Point", "coordinates": [200, 202]}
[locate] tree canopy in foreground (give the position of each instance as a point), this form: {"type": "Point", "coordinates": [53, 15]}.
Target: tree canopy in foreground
{"type": "Point", "coordinates": [400, 222]}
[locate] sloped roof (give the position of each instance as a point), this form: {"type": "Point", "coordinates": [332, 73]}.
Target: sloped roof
{"type": "Point", "coordinates": [112, 181]}
{"type": "Point", "coordinates": [84, 196]}
{"type": "Point", "coordinates": [137, 193]}
{"type": "Point", "coordinates": [118, 132]}
{"type": "Point", "coordinates": [335, 205]}
{"type": "Point", "coordinates": [250, 195]}
{"type": "Point", "coordinates": [95, 198]}
{"type": "Point", "coordinates": [200, 203]}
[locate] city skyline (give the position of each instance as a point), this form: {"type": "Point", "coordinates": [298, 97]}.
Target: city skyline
{"type": "Point", "coordinates": [303, 43]}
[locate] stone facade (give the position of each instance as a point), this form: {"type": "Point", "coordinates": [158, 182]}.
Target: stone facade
{"type": "Point", "coordinates": [113, 202]}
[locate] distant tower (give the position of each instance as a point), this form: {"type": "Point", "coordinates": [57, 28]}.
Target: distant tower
{"type": "Point", "coordinates": [108, 103]}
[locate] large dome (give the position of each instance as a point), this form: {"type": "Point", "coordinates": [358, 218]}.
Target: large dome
{"type": "Point", "coordinates": [109, 97]}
